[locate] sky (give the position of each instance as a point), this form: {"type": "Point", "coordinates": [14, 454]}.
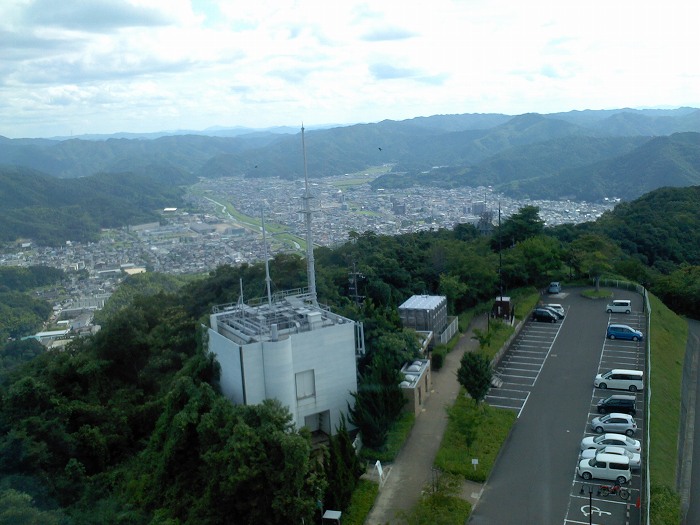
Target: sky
{"type": "Point", "coordinates": [73, 67]}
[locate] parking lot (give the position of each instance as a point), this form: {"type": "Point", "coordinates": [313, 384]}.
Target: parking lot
{"type": "Point", "coordinates": [547, 378]}
{"type": "Point", "coordinates": [611, 509]}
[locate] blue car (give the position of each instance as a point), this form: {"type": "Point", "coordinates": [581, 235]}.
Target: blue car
{"type": "Point", "coordinates": [622, 331]}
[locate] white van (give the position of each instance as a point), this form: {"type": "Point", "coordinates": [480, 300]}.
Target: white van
{"type": "Point", "coordinates": [619, 306]}
{"type": "Point", "coordinates": [606, 466]}
{"type": "Point", "coordinates": [621, 379]}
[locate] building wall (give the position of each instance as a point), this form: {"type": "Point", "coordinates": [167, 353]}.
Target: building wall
{"type": "Point", "coordinates": [417, 393]}
{"type": "Point", "coordinates": [268, 370]}
{"type": "Point", "coordinates": [425, 319]}
{"type": "Point", "coordinates": [330, 352]}
{"type": "Point", "coordinates": [228, 355]}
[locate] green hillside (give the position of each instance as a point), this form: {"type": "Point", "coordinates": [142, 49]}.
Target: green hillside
{"type": "Point", "coordinates": [51, 211]}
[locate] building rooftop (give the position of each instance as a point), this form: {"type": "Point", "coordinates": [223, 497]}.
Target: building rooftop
{"type": "Point", "coordinates": [287, 313]}
{"type": "Point", "coordinates": [423, 302]}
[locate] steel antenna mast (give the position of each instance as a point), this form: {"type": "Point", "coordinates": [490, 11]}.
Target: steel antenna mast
{"type": "Point", "coordinates": [310, 267]}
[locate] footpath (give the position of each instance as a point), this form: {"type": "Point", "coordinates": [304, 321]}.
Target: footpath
{"type": "Point", "coordinates": [405, 479]}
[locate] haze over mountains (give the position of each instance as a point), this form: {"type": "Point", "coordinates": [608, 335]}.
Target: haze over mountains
{"type": "Point", "coordinates": [578, 155]}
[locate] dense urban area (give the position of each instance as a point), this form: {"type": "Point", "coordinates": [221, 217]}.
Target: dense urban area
{"type": "Point", "coordinates": [222, 225]}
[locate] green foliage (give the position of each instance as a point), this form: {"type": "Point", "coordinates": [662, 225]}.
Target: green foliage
{"type": "Point", "coordinates": [531, 261]}
{"type": "Point", "coordinates": [378, 402]}
{"type": "Point", "coordinates": [494, 339]}
{"type": "Point", "coordinates": [361, 503]}
{"type": "Point", "coordinates": [21, 314]}
{"type": "Point", "coordinates": [451, 287]}
{"type": "Point", "coordinates": [51, 211]}
{"type": "Point", "coordinates": [16, 353]}
{"type": "Point", "coordinates": [149, 283]}
{"type": "Point", "coordinates": [442, 505]}
{"type": "Point", "coordinates": [17, 508]}
{"type": "Point", "coordinates": [342, 469]}
{"type": "Point", "coordinates": [665, 505]}
{"type": "Point", "coordinates": [437, 357]}
{"type": "Point", "coordinates": [474, 374]}
{"type": "Point", "coordinates": [21, 279]}
{"type": "Point", "coordinates": [680, 290]}
{"type": "Point", "coordinates": [524, 224]}
{"type": "Point", "coordinates": [396, 437]}
{"type": "Point", "coordinates": [668, 343]}
{"type": "Point", "coordinates": [455, 453]}
{"type": "Point", "coordinates": [208, 460]}
{"type": "Point", "coordinates": [594, 256]}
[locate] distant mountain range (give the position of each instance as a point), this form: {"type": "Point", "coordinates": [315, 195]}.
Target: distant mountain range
{"type": "Point", "coordinates": [579, 155]}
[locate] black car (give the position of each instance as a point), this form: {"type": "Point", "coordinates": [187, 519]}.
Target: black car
{"type": "Point", "coordinates": [545, 315]}
{"type": "Point", "coordinates": [618, 403]}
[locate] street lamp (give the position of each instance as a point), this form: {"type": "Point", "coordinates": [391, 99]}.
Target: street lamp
{"type": "Point", "coordinates": [590, 501]}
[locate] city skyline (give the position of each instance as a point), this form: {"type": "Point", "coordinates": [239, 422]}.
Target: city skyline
{"type": "Point", "coordinates": [141, 66]}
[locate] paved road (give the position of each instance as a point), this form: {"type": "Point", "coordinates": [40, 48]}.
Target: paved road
{"type": "Point", "coordinates": [411, 472]}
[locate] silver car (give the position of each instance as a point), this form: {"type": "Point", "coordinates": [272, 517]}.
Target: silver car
{"type": "Point", "coordinates": [557, 308]}
{"type": "Point", "coordinates": [614, 422]}
{"type": "Point", "coordinates": [619, 440]}
{"type": "Point", "coordinates": [635, 459]}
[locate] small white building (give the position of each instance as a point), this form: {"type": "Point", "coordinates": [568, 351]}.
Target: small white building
{"type": "Point", "coordinates": [291, 349]}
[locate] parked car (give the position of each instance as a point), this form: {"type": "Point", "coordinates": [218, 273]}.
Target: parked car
{"type": "Point", "coordinates": [606, 466]}
{"type": "Point", "coordinates": [622, 331]}
{"type": "Point", "coordinates": [620, 378]}
{"type": "Point", "coordinates": [619, 306]}
{"type": "Point", "coordinates": [554, 311]}
{"type": "Point", "coordinates": [635, 459]}
{"type": "Point", "coordinates": [554, 287]}
{"type": "Point", "coordinates": [614, 422]}
{"type": "Point", "coordinates": [618, 403]}
{"type": "Point", "coordinates": [557, 307]}
{"type": "Point", "coordinates": [618, 440]}
{"type": "Point", "coordinates": [542, 314]}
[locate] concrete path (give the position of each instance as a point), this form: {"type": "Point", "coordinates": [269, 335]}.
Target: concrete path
{"type": "Point", "coordinates": [411, 473]}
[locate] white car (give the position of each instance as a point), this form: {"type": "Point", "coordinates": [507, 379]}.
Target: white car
{"type": "Point", "coordinates": [614, 422]}
{"type": "Point", "coordinates": [618, 440]}
{"type": "Point", "coordinates": [635, 459]}
{"type": "Point", "coordinates": [558, 308]}
{"type": "Point", "coordinates": [606, 466]}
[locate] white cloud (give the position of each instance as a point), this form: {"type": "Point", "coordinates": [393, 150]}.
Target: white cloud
{"type": "Point", "coordinates": [144, 65]}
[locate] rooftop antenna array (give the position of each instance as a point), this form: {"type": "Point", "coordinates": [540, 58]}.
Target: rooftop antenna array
{"type": "Point", "coordinates": [307, 218]}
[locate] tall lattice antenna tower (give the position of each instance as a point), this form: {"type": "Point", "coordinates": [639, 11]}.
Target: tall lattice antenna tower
{"type": "Point", "coordinates": [267, 259]}
{"type": "Point", "coordinates": [310, 268]}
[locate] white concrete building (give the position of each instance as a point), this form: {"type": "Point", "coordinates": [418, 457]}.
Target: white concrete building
{"type": "Point", "coordinates": [291, 349]}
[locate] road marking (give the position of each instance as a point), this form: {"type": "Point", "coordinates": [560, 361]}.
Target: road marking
{"type": "Point", "coordinates": [594, 510]}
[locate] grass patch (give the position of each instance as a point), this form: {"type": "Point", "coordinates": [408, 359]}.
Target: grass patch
{"type": "Point", "coordinates": [361, 502]}
{"type": "Point", "coordinates": [597, 294]}
{"type": "Point", "coordinates": [486, 427]}
{"type": "Point", "coordinates": [669, 333]}
{"type": "Point", "coordinates": [439, 505]}
{"type": "Point", "coordinates": [394, 441]}
{"type": "Point", "coordinates": [465, 319]}
{"type": "Point", "coordinates": [493, 340]}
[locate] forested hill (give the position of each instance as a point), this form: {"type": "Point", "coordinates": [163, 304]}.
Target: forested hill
{"type": "Point", "coordinates": [475, 144]}
{"type": "Point", "coordinates": [51, 211]}
{"type": "Point", "coordinates": [573, 167]}
{"type": "Point", "coordinates": [662, 228]}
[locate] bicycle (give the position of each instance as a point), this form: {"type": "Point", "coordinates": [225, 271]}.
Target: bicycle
{"type": "Point", "coordinates": [606, 490]}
